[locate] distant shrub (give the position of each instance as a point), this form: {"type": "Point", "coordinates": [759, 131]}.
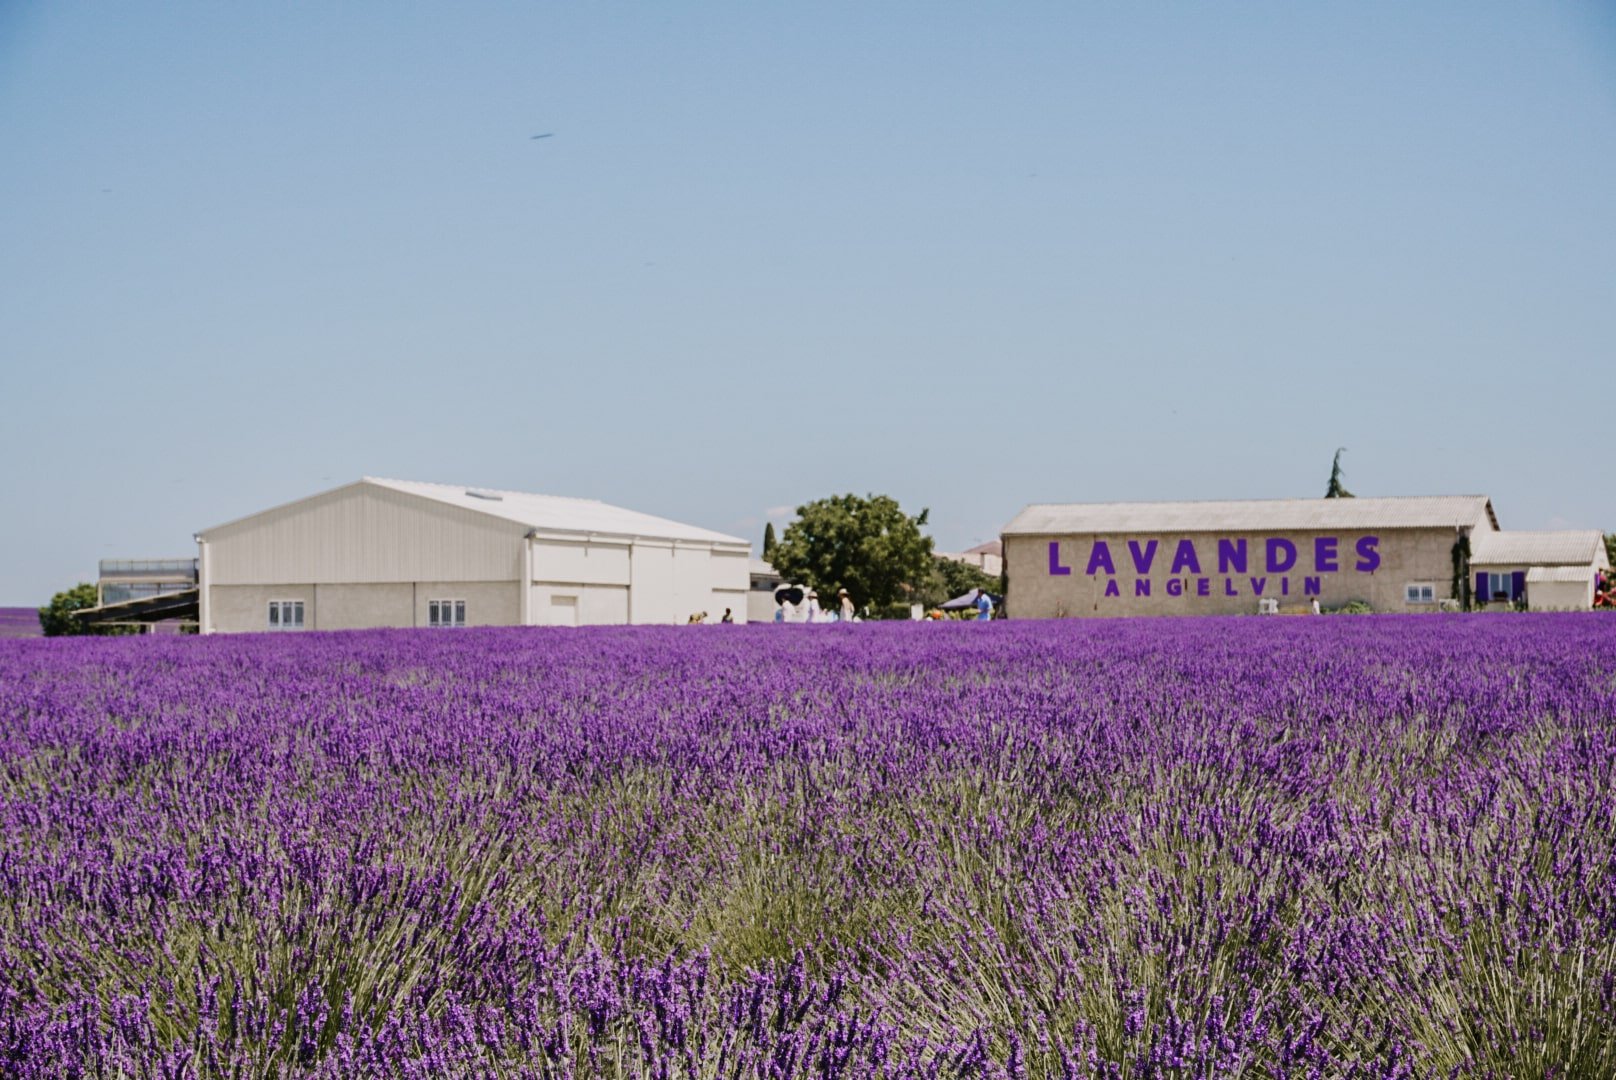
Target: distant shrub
{"type": "Point", "coordinates": [56, 619]}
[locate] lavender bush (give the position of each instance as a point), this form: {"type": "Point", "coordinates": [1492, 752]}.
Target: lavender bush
{"type": "Point", "coordinates": [1284, 847]}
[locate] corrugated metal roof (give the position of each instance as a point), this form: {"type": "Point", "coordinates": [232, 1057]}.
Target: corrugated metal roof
{"type": "Point", "coordinates": [550, 513]}
{"type": "Point", "coordinates": [1249, 515]}
{"type": "Point", "coordinates": [1578, 575]}
{"type": "Point", "coordinates": [1579, 547]}
{"type": "Point", "coordinates": [556, 513]}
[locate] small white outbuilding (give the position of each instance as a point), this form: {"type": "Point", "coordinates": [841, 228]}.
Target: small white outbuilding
{"type": "Point", "coordinates": [1560, 588]}
{"type": "Point", "coordinates": [402, 553]}
{"type": "Point", "coordinates": [1549, 571]}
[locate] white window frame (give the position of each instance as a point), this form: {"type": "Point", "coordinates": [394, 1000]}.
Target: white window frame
{"type": "Point", "coordinates": [279, 616]}
{"type": "Point", "coordinates": [1419, 592]}
{"type": "Point", "coordinates": [447, 614]}
{"type": "Point", "coordinates": [1493, 578]}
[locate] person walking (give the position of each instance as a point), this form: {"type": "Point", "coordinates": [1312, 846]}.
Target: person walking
{"type": "Point", "coordinates": [984, 606]}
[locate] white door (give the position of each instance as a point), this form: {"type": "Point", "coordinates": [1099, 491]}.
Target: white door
{"type": "Point", "coordinates": [563, 610]}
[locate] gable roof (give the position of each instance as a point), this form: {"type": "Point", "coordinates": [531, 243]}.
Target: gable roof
{"type": "Point", "coordinates": [1245, 515]}
{"type": "Point", "coordinates": [1562, 575]}
{"type": "Point", "coordinates": [1575, 547]}
{"type": "Point", "coordinates": [558, 513]}
{"type": "Point", "coordinates": [547, 513]}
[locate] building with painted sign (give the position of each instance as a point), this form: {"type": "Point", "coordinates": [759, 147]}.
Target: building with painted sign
{"type": "Point", "coordinates": [1222, 558]}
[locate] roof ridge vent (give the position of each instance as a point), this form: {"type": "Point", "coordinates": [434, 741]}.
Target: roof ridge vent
{"type": "Point", "coordinates": [490, 496]}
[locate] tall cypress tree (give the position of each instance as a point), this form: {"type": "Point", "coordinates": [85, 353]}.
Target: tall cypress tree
{"type": "Point", "coordinates": [1337, 490]}
{"type": "Point", "coordinates": [768, 539]}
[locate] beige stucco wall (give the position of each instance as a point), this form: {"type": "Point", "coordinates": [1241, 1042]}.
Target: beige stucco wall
{"type": "Point", "coordinates": [1406, 556]}
{"type": "Point", "coordinates": [985, 561]}
{"type": "Point", "coordinates": [244, 609]}
{"type": "Point", "coordinates": [488, 603]}
{"type": "Point", "coordinates": [1560, 595]}
{"type": "Point", "coordinates": [358, 607]}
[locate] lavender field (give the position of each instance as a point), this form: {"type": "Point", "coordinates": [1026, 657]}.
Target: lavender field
{"type": "Point", "coordinates": [1280, 847]}
{"type": "Point", "coordinates": [19, 622]}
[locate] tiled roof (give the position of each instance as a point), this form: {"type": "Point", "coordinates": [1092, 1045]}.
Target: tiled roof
{"type": "Point", "coordinates": [1580, 547]}
{"type": "Point", "coordinates": [1579, 575]}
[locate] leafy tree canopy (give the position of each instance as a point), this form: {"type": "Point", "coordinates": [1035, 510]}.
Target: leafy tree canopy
{"type": "Point", "coordinates": [955, 578]}
{"type": "Point", "coordinates": [56, 618]}
{"type": "Point", "coordinates": [1610, 548]}
{"type": "Point", "coordinates": [866, 545]}
{"type": "Point", "coordinates": [1337, 490]}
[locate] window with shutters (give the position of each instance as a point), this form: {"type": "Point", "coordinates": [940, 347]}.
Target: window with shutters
{"type": "Point", "coordinates": [1500, 586]}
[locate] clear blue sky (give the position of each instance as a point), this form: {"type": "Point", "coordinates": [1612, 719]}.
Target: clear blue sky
{"type": "Point", "coordinates": [969, 255]}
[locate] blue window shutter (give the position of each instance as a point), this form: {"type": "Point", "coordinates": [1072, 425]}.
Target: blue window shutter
{"type": "Point", "coordinates": [1481, 588]}
{"type": "Point", "coordinates": [1517, 585]}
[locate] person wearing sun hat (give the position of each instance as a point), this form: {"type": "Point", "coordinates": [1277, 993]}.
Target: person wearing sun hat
{"type": "Point", "coordinates": [846, 605]}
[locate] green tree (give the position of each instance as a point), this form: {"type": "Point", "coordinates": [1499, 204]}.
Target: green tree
{"type": "Point", "coordinates": [867, 546]}
{"type": "Point", "coordinates": [56, 618]}
{"type": "Point", "coordinates": [955, 578]}
{"type": "Point", "coordinates": [1337, 490]}
{"type": "Point", "coordinates": [768, 540]}
{"type": "Point", "coordinates": [1610, 548]}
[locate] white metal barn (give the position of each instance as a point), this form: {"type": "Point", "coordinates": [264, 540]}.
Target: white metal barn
{"type": "Point", "coordinates": [401, 553]}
